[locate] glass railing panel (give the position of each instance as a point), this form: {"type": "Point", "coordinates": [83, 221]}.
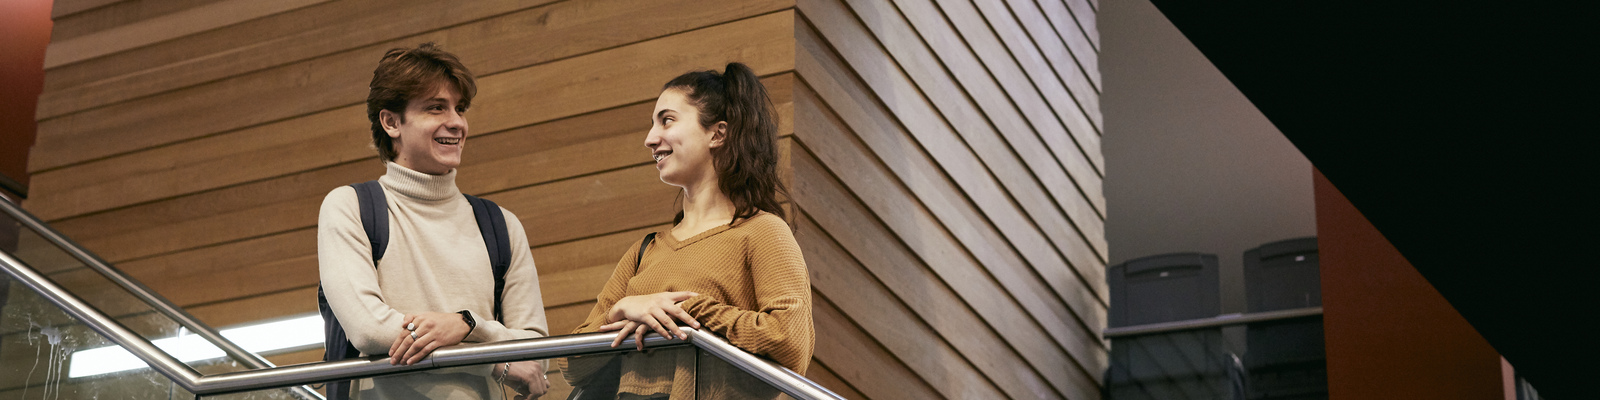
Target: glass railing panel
{"type": "Point", "coordinates": [718, 379]}
{"type": "Point", "coordinates": [89, 357]}
{"type": "Point", "coordinates": [46, 349]}
{"type": "Point", "coordinates": [671, 370]}
{"type": "Point", "coordinates": [1286, 359]}
{"type": "Point", "coordinates": [660, 373]}
{"type": "Point", "coordinates": [88, 284]}
{"type": "Point", "coordinates": [1191, 364]}
{"type": "Point", "coordinates": [59, 266]}
{"type": "Point", "coordinates": [46, 352]}
{"type": "Point", "coordinates": [37, 346]}
{"type": "Point", "coordinates": [657, 370]}
{"type": "Point", "coordinates": [1280, 356]}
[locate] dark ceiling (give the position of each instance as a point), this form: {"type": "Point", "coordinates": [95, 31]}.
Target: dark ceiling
{"type": "Point", "coordinates": [1463, 131]}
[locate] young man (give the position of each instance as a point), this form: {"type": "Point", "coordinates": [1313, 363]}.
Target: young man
{"type": "Point", "coordinates": [432, 285]}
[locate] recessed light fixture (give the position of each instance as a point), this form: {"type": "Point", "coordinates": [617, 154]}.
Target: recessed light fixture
{"type": "Point", "coordinates": [295, 333]}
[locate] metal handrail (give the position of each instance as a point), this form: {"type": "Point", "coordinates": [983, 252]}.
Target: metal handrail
{"type": "Point", "coordinates": [469, 354]}
{"type": "Point", "coordinates": [1220, 320]}
{"type": "Point", "coordinates": [139, 290]}
{"type": "Point", "coordinates": [782, 378]}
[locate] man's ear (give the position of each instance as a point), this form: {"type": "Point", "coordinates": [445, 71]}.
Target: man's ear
{"type": "Point", "coordinates": [390, 122]}
{"type": "Point", "coordinates": [719, 134]}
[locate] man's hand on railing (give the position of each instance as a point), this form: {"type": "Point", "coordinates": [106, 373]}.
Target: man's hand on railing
{"type": "Point", "coordinates": [526, 378]}
{"type": "Point", "coordinates": [425, 333]}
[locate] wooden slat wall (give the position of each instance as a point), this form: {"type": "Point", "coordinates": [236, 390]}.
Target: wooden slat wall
{"type": "Point", "coordinates": [943, 154]}
{"type": "Point", "coordinates": [947, 167]}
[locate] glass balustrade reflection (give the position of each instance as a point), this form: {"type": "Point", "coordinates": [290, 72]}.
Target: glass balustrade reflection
{"type": "Point", "coordinates": [86, 283]}
{"type": "Point", "coordinates": [664, 373]}
{"type": "Point", "coordinates": [44, 349]}
{"type": "Point", "coordinates": [38, 345]}
{"type": "Point", "coordinates": [718, 379]}
{"type": "Point", "coordinates": [46, 352]}
{"type": "Point", "coordinates": [660, 372]}
{"type": "Point", "coordinates": [597, 375]}
{"type": "Point", "coordinates": [1191, 364]}
{"type": "Point", "coordinates": [670, 372]}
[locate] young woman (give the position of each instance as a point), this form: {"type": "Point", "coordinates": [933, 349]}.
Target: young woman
{"type": "Point", "coordinates": [728, 265]}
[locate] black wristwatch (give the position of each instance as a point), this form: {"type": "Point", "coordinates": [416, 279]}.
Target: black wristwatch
{"type": "Point", "coordinates": [471, 324]}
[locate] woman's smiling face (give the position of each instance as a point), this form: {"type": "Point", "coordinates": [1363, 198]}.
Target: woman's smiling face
{"type": "Point", "coordinates": [678, 142]}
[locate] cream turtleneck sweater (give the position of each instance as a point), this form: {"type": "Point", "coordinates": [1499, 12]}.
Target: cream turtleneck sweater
{"type": "Point", "coordinates": [435, 261]}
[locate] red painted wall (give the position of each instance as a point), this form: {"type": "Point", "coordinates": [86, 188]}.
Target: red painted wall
{"type": "Point", "coordinates": [1390, 335]}
{"type": "Point", "coordinates": [24, 34]}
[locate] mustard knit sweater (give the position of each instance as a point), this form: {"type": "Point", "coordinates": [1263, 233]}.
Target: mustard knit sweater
{"type": "Point", "coordinates": [753, 290]}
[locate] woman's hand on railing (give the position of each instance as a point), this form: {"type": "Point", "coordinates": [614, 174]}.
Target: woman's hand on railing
{"type": "Point", "coordinates": [423, 333]}
{"type": "Point", "coordinates": [635, 315]}
{"type": "Point", "coordinates": [527, 378]}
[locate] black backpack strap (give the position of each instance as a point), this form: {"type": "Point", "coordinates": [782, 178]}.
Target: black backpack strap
{"type": "Point", "coordinates": [336, 346]}
{"type": "Point", "coordinates": [492, 223]}
{"type": "Point", "coordinates": [375, 221]}
{"type": "Point", "coordinates": [374, 216]}
{"type": "Point", "coordinates": [639, 263]}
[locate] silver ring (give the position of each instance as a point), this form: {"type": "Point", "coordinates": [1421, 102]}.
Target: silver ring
{"type": "Point", "coordinates": [411, 327]}
{"type": "Point", "coordinates": [413, 335]}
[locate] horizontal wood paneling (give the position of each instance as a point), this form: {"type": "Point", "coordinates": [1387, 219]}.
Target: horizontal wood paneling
{"type": "Point", "coordinates": [522, 33]}
{"type": "Point", "coordinates": [254, 45]}
{"type": "Point", "coordinates": [325, 83]}
{"type": "Point", "coordinates": [284, 260]}
{"type": "Point", "coordinates": [122, 12]}
{"type": "Point", "coordinates": [564, 149]}
{"type": "Point", "coordinates": [64, 8]}
{"type": "Point", "coordinates": [164, 27]}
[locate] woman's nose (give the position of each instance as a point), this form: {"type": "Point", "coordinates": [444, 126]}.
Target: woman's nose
{"type": "Point", "coordinates": [652, 139]}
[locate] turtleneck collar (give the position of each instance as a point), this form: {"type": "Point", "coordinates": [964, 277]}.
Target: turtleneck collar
{"type": "Point", "coordinates": [419, 185]}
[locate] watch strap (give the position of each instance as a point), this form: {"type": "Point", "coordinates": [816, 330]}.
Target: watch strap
{"type": "Point", "coordinates": [466, 316]}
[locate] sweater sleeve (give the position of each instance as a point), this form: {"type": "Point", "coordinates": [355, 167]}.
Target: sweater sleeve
{"type": "Point", "coordinates": [521, 305]}
{"type": "Point", "coordinates": [615, 289]}
{"type": "Point", "coordinates": [780, 328]}
{"type": "Point", "coordinates": [349, 278]}
{"type": "Point", "coordinates": [576, 369]}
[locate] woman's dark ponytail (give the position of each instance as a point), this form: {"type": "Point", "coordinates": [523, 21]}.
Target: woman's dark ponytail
{"type": "Point", "coordinates": [747, 161]}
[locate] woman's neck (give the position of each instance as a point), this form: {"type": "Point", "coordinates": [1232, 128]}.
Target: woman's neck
{"type": "Point", "coordinates": [704, 207]}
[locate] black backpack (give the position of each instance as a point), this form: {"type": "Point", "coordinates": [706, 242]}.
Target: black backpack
{"type": "Point", "coordinates": [375, 220]}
